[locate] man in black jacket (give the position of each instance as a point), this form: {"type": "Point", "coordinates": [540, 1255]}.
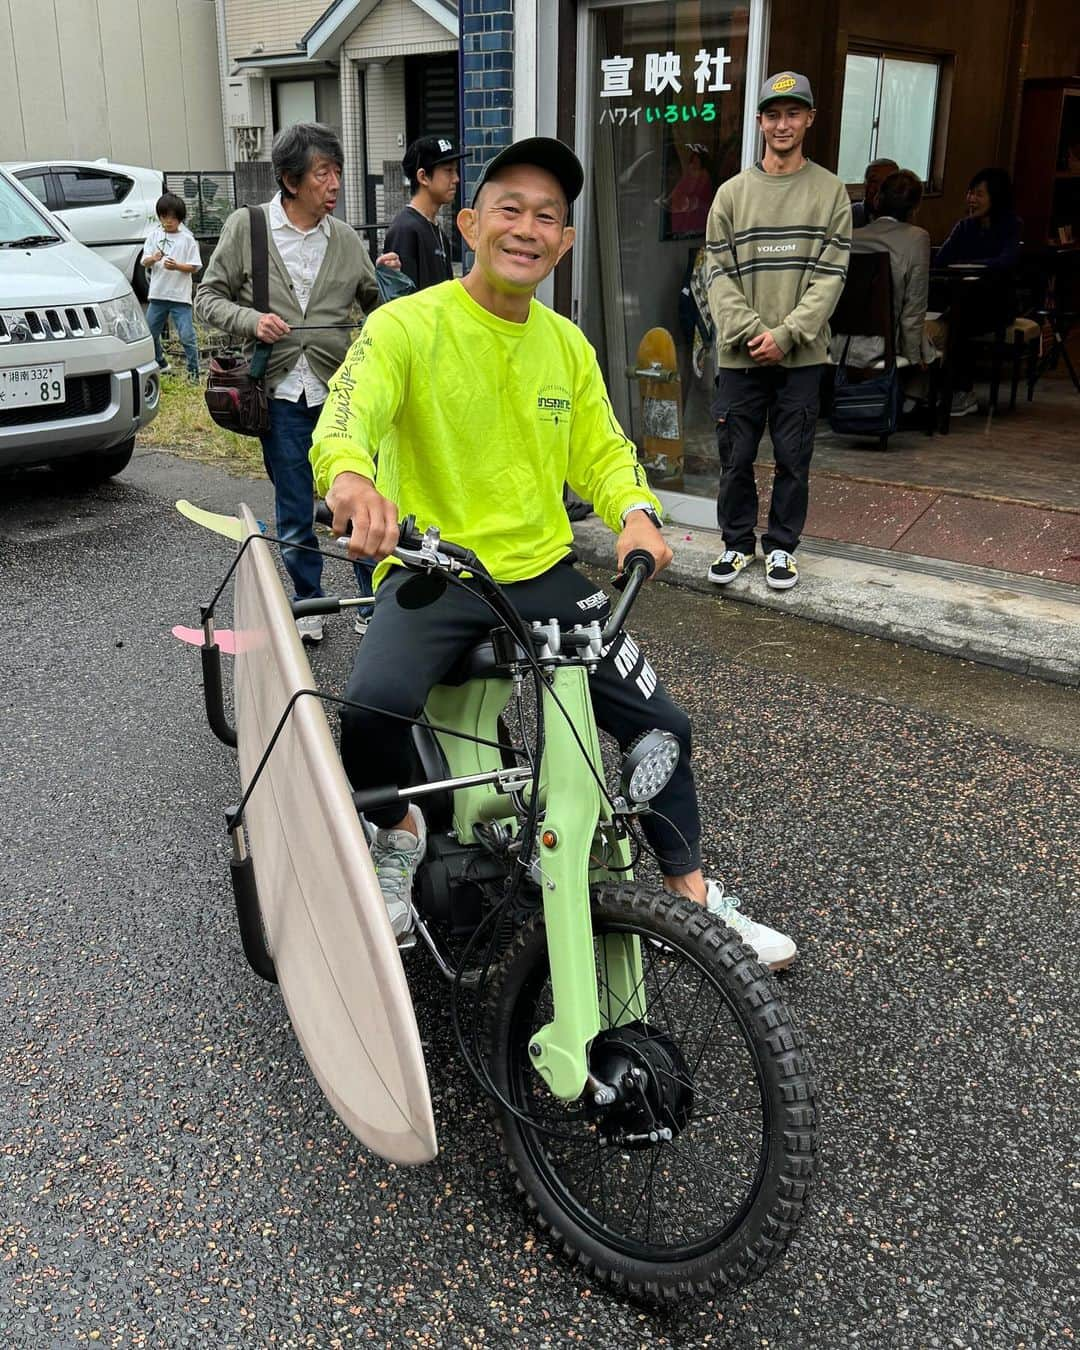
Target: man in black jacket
{"type": "Point", "coordinates": [415, 235]}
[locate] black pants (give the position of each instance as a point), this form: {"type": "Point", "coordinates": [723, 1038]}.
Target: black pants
{"type": "Point", "coordinates": [787, 399]}
{"type": "Point", "coordinates": [407, 651]}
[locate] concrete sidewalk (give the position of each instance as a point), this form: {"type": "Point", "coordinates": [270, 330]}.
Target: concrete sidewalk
{"type": "Point", "coordinates": [1020, 623]}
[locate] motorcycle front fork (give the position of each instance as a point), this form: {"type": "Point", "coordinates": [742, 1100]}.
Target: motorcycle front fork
{"type": "Point", "coordinates": [593, 984]}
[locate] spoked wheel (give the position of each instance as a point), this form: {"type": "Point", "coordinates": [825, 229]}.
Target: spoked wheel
{"type": "Point", "coordinates": [695, 1177]}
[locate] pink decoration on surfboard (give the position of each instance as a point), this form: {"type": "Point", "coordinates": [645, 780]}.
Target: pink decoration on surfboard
{"type": "Point", "coordinates": [224, 637]}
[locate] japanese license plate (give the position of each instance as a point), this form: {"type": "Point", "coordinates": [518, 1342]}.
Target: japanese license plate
{"type": "Point", "coordinates": [21, 386]}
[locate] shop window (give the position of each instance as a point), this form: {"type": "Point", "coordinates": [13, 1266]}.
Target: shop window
{"type": "Point", "coordinates": [895, 106]}
{"type": "Point", "coordinates": [663, 98]}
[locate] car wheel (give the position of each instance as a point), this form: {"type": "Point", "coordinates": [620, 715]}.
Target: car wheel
{"type": "Point", "coordinates": [139, 281]}
{"type": "Point", "coordinates": [96, 467]}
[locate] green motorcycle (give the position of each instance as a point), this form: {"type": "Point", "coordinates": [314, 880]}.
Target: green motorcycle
{"type": "Point", "coordinates": [649, 1089]}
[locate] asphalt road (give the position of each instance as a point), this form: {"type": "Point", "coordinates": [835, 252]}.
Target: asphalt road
{"type": "Point", "coordinates": [169, 1173]}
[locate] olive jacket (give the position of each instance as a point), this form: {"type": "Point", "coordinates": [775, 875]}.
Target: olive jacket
{"type": "Point", "coordinates": [224, 299]}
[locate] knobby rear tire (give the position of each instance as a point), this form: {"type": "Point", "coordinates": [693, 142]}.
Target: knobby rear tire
{"type": "Point", "coordinates": [785, 1166]}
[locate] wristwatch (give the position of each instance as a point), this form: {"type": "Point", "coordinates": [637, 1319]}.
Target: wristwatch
{"type": "Point", "coordinates": [647, 507]}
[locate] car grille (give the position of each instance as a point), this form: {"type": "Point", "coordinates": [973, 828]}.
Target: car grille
{"type": "Point", "coordinates": [24, 326]}
{"type": "Point", "coordinates": [86, 395]}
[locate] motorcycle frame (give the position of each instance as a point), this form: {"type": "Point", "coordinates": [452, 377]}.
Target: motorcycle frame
{"type": "Point", "coordinates": [576, 817]}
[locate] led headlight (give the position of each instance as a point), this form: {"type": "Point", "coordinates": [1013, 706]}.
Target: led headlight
{"type": "Point", "coordinates": [122, 318]}
{"type": "Point", "coordinates": [648, 766]}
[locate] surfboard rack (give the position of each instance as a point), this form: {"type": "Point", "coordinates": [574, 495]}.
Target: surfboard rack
{"type": "Point", "coordinates": [248, 914]}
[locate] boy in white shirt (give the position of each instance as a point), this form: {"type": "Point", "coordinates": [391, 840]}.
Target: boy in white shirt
{"type": "Point", "coordinates": [171, 255]}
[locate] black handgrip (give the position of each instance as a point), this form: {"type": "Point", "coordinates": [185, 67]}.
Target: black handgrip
{"type": "Point", "coordinates": [319, 604]}
{"type": "Point", "coordinates": [638, 567]}
{"type": "Point", "coordinates": [368, 799]}
{"type": "Point", "coordinates": [407, 533]}
{"type": "Point", "coordinates": [636, 557]}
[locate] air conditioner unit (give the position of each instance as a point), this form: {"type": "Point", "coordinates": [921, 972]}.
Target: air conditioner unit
{"type": "Point", "coordinates": [245, 103]}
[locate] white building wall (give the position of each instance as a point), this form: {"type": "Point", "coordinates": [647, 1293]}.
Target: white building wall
{"type": "Point", "coordinates": [135, 81]}
{"type": "Point", "coordinates": [277, 24]}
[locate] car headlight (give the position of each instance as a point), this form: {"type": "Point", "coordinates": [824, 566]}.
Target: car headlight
{"type": "Point", "coordinates": [123, 318]}
{"type": "Point", "coordinates": [648, 766]}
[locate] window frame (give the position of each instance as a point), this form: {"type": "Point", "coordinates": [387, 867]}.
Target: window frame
{"type": "Point", "coordinates": [891, 51]}
{"type": "Point", "coordinates": [88, 174]}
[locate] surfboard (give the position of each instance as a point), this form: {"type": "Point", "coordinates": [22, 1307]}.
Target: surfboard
{"type": "Point", "coordinates": [338, 964]}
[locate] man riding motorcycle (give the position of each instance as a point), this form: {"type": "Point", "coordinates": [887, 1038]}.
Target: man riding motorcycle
{"type": "Point", "coordinates": [478, 403]}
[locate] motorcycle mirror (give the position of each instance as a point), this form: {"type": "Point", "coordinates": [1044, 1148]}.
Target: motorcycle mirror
{"type": "Point", "coordinates": [421, 589]}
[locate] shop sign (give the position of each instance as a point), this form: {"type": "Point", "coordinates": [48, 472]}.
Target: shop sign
{"type": "Point", "coordinates": [663, 71]}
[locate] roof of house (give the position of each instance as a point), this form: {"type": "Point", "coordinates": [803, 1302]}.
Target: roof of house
{"type": "Point", "coordinates": [341, 17]}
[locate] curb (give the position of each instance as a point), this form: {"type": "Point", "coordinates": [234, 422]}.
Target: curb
{"type": "Point", "coordinates": [976, 617]}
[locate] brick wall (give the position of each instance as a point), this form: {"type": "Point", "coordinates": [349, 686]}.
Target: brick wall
{"type": "Point", "coordinates": [487, 42]}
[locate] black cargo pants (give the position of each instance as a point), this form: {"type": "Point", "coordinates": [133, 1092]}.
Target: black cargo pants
{"type": "Point", "coordinates": [407, 651]}
{"type": "Point", "coordinates": [745, 400]}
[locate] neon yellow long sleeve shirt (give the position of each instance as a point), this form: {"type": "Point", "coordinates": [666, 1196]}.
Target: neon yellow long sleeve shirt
{"type": "Point", "coordinates": [474, 423]}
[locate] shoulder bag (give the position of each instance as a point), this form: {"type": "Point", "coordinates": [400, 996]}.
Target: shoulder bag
{"type": "Point", "coordinates": [235, 386]}
{"type": "Point", "coordinates": [869, 406]}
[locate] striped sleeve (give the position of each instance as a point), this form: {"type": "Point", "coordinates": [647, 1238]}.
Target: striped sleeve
{"type": "Point", "coordinates": [825, 280]}
{"type": "Point", "coordinates": [733, 318]}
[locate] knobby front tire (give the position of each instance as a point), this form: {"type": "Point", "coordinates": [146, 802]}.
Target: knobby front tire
{"type": "Point", "coordinates": [718, 1061]}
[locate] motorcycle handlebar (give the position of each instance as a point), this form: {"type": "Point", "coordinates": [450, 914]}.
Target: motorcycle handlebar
{"type": "Point", "coordinates": [638, 566]}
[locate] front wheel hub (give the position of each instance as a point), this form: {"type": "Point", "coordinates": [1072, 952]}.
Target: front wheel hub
{"type": "Point", "coordinates": [654, 1094]}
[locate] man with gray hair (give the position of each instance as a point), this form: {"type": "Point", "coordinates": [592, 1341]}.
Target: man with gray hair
{"type": "Point", "coordinates": [318, 269]}
{"type": "Point", "coordinates": [875, 173]}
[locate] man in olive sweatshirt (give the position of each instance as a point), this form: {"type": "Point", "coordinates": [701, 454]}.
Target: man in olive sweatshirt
{"type": "Point", "coordinates": [777, 242]}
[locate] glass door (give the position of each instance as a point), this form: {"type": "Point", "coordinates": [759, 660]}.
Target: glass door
{"type": "Point", "coordinates": [663, 90]}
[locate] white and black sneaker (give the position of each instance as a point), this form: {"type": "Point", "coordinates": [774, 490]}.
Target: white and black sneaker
{"type": "Point", "coordinates": [728, 566]}
{"type": "Point", "coordinates": [781, 570]}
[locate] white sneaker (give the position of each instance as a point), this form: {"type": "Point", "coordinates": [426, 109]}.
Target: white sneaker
{"type": "Point", "coordinates": [360, 624]}
{"type": "Point", "coordinates": [396, 855]}
{"type": "Point", "coordinates": [310, 628]}
{"type": "Point", "coordinates": [963, 402]}
{"type": "Point", "coordinates": [774, 950]}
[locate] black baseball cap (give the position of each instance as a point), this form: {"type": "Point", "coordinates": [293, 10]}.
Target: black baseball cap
{"type": "Point", "coordinates": [428, 152]}
{"type": "Point", "coordinates": [545, 153]}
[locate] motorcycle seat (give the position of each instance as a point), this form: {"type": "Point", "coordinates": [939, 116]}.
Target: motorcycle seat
{"type": "Point", "coordinates": [479, 663]}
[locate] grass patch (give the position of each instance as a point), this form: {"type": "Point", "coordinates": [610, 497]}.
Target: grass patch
{"type": "Point", "coordinates": [183, 426]}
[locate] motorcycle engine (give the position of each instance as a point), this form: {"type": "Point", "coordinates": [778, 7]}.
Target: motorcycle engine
{"type": "Point", "coordinates": [455, 882]}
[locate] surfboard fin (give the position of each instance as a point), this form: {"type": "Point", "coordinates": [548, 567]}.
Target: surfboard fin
{"type": "Point", "coordinates": [229, 527]}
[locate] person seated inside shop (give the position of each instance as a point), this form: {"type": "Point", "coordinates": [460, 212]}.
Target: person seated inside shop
{"type": "Point", "coordinates": [875, 173]}
{"type": "Point", "coordinates": [893, 231]}
{"type": "Point", "coordinates": [987, 239]}
{"type": "Point", "coordinates": [989, 231]}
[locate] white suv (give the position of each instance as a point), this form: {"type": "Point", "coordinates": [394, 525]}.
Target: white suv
{"type": "Point", "coordinates": [77, 370]}
{"type": "Point", "coordinates": [108, 207]}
